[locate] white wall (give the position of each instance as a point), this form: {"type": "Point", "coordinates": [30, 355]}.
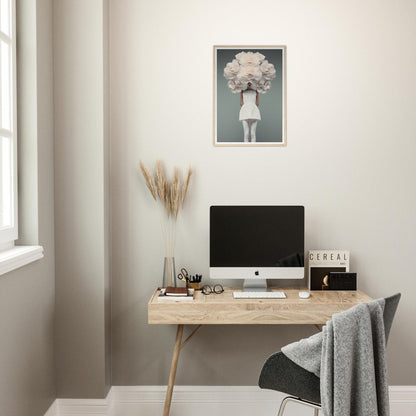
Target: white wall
{"type": "Point", "coordinates": [81, 198]}
{"type": "Point", "coordinates": [349, 160]}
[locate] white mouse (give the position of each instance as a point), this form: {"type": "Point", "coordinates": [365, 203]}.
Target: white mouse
{"type": "Point", "coordinates": [304, 295]}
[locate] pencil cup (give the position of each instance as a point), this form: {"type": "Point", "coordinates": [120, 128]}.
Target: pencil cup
{"type": "Point", "coordinates": [196, 286]}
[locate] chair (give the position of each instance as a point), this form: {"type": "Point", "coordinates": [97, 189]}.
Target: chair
{"type": "Point", "coordinates": [282, 374]}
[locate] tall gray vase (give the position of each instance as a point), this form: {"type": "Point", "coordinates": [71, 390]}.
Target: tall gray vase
{"type": "Point", "coordinates": [169, 275]}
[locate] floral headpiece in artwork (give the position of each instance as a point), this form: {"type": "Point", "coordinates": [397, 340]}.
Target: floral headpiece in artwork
{"type": "Point", "coordinates": [249, 67]}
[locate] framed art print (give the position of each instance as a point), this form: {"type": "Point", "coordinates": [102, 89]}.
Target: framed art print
{"type": "Point", "coordinates": [249, 95]}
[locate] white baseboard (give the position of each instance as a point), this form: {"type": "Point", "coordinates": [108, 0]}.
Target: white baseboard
{"type": "Point", "coordinates": [198, 400]}
{"type": "Point", "coordinates": [53, 410]}
{"type": "Point", "coordinates": [85, 407]}
{"type": "Point", "coordinates": [402, 400]}
{"type": "Point", "coordinates": [205, 401]}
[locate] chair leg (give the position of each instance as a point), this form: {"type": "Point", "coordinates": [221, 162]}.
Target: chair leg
{"type": "Point", "coordinates": [283, 405]}
{"type": "Point", "coordinates": [315, 406]}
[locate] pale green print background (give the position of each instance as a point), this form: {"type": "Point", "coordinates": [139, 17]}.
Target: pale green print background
{"type": "Point", "coordinates": [269, 128]}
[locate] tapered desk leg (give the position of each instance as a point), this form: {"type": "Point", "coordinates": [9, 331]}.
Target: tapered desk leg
{"type": "Point", "coordinates": [173, 367]}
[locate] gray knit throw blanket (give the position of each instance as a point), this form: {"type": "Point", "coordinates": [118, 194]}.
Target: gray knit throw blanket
{"type": "Point", "coordinates": [349, 356]}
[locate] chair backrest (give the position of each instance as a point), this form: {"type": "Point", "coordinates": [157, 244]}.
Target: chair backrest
{"type": "Point", "coordinates": [389, 311]}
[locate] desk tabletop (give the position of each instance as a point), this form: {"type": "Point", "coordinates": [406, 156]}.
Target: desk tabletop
{"type": "Point", "coordinates": [224, 309]}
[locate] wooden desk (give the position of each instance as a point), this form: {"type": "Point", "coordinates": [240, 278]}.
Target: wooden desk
{"type": "Point", "coordinates": [224, 309]}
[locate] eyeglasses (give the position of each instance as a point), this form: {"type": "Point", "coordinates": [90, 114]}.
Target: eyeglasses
{"type": "Point", "coordinates": [217, 289]}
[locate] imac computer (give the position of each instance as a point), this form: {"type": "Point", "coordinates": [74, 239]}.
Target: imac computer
{"type": "Point", "coordinates": [256, 243]}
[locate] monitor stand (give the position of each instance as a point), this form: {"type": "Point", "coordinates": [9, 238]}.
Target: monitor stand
{"type": "Point", "coordinates": [255, 285]}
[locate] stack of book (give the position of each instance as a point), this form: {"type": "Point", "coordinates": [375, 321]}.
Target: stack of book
{"type": "Point", "coordinates": [176, 293]}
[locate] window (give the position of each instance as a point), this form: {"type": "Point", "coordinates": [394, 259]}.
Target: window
{"type": "Point", "coordinates": [8, 140]}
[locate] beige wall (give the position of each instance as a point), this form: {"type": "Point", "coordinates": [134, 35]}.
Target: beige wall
{"type": "Point", "coordinates": [27, 385]}
{"type": "Point", "coordinates": [349, 160]}
{"type": "Point", "coordinates": [81, 198]}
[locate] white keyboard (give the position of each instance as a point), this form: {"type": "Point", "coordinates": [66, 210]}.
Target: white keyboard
{"type": "Point", "coordinates": [259, 295]}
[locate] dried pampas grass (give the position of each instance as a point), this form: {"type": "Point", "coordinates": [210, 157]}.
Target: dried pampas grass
{"type": "Point", "coordinates": [149, 180]}
{"type": "Point", "coordinates": [175, 193]}
{"type": "Point", "coordinates": [186, 184]}
{"type": "Point", "coordinates": [171, 196]}
{"type": "Point", "coordinates": [160, 180]}
{"type": "Point", "coordinates": [166, 199]}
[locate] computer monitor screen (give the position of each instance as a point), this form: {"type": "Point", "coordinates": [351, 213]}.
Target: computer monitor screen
{"type": "Point", "coordinates": [257, 242]}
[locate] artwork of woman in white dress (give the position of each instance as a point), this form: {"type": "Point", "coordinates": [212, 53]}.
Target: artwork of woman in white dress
{"type": "Point", "coordinates": [249, 74]}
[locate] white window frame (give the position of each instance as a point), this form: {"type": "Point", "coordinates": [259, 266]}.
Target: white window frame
{"type": "Point", "coordinates": [11, 256]}
{"type": "Point", "coordinates": [9, 234]}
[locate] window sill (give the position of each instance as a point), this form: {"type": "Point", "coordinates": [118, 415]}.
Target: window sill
{"type": "Point", "coordinates": [19, 256]}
